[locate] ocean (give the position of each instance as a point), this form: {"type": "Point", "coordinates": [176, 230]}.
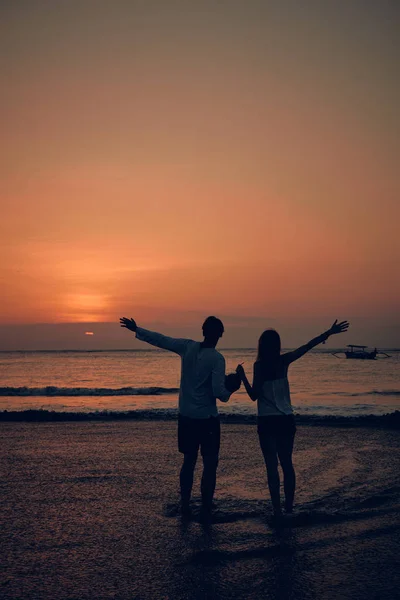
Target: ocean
{"type": "Point", "coordinates": [129, 380]}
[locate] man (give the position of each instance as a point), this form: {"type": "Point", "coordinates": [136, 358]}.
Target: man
{"type": "Point", "coordinates": [202, 382]}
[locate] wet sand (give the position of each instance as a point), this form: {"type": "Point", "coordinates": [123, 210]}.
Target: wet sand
{"type": "Point", "coordinates": [89, 511]}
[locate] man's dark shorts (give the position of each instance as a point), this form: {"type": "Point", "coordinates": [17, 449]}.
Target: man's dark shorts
{"type": "Point", "coordinates": [199, 433]}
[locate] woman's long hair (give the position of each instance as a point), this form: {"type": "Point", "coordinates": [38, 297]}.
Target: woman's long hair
{"type": "Point", "coordinates": [269, 346]}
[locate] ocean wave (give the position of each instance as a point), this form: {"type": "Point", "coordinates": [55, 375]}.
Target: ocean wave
{"type": "Point", "coordinates": [377, 393]}
{"type": "Point", "coordinates": [366, 393]}
{"type": "Point", "coordinates": [389, 420]}
{"type": "Point", "coordinates": [52, 390]}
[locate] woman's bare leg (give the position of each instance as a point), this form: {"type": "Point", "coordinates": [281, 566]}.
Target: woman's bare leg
{"type": "Point", "coordinates": [269, 450]}
{"type": "Point", "coordinates": [285, 451]}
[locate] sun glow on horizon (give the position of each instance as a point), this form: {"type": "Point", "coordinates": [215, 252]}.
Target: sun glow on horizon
{"type": "Point", "coordinates": [84, 308]}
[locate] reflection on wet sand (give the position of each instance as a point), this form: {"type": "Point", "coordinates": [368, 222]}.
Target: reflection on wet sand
{"type": "Point", "coordinates": [89, 510]}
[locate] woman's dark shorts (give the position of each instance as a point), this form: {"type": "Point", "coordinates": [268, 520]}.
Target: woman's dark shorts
{"type": "Point", "coordinates": [276, 434]}
{"type": "Point", "coordinates": [199, 433]}
{"type": "Point", "coordinates": [276, 425]}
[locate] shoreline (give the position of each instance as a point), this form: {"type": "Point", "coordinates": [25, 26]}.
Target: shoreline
{"type": "Point", "coordinates": [386, 421]}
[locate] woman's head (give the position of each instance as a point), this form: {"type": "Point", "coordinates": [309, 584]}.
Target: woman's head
{"type": "Point", "coordinates": [269, 345]}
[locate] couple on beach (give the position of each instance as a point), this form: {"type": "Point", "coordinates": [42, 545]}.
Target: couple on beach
{"type": "Point", "coordinates": [203, 381]}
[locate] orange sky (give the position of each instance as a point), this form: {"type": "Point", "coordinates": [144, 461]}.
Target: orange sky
{"type": "Point", "coordinates": [235, 158]}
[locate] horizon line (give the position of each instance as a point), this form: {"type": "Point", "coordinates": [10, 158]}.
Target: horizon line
{"type": "Point", "coordinates": [320, 350]}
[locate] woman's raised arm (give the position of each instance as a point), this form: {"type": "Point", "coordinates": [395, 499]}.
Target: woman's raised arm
{"type": "Point", "coordinates": [336, 328]}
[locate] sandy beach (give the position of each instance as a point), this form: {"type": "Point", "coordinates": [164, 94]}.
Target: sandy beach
{"type": "Point", "coordinates": [89, 511]}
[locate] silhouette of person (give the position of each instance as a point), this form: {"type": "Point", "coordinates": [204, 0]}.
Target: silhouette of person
{"type": "Point", "coordinates": [275, 421]}
{"type": "Point", "coordinates": [203, 380]}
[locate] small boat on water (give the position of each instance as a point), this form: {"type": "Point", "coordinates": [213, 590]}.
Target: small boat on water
{"type": "Point", "coordinates": [360, 352]}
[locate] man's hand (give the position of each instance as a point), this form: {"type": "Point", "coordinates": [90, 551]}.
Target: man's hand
{"type": "Point", "coordinates": [338, 327]}
{"type": "Point", "coordinates": [232, 382]}
{"type": "Point", "coordinates": [128, 323]}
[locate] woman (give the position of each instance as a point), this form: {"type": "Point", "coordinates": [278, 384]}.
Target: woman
{"type": "Point", "coordinates": [275, 423]}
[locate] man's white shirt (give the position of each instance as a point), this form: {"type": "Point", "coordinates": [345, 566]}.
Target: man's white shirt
{"type": "Point", "coordinates": [202, 374]}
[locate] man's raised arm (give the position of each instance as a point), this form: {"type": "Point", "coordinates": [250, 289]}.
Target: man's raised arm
{"type": "Point", "coordinates": [177, 345]}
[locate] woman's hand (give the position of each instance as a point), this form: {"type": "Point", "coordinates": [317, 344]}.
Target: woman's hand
{"type": "Point", "coordinates": [338, 327]}
{"type": "Point", "coordinates": [240, 371]}
{"type": "Point", "coordinates": [128, 323]}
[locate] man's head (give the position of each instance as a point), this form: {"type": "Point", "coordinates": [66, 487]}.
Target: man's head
{"type": "Point", "coordinates": [213, 329]}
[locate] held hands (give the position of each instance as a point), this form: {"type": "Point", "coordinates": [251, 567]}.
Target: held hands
{"type": "Point", "coordinates": [338, 327]}
{"type": "Point", "coordinates": [128, 323]}
{"type": "Point", "coordinates": [240, 371]}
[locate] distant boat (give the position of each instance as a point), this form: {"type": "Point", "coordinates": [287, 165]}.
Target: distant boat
{"type": "Point", "coordinates": [360, 352]}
